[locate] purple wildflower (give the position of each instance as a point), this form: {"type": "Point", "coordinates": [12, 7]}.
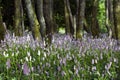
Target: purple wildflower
{"type": "Point", "coordinates": [26, 69]}
{"type": "Point", "coordinates": [8, 64]}
{"type": "Point", "coordinates": [63, 73]}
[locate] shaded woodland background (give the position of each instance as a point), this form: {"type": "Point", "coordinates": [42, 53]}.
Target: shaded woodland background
{"type": "Point", "coordinates": [46, 17]}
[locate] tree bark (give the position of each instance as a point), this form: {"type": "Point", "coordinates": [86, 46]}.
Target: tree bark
{"type": "Point", "coordinates": [41, 19]}
{"type": "Point", "coordinates": [48, 20]}
{"type": "Point", "coordinates": [35, 26]}
{"type": "Point", "coordinates": [94, 23]}
{"type": "Point", "coordinates": [2, 28]}
{"type": "Point", "coordinates": [18, 20]}
{"type": "Point", "coordinates": [117, 18]}
{"type": "Point", "coordinates": [109, 18]}
{"type": "Point", "coordinates": [68, 18]}
{"type": "Point", "coordinates": [67, 22]}
{"type": "Point", "coordinates": [80, 18]}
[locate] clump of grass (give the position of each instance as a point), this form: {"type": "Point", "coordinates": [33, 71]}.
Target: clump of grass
{"type": "Point", "coordinates": [65, 59]}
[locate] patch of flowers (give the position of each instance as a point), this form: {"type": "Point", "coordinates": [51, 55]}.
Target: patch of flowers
{"type": "Point", "coordinates": [65, 59]}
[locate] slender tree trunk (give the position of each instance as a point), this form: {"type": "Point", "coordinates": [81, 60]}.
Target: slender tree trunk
{"type": "Point", "coordinates": [74, 21]}
{"type": "Point", "coordinates": [18, 20]}
{"type": "Point", "coordinates": [117, 18]}
{"type": "Point", "coordinates": [112, 20]}
{"type": "Point", "coordinates": [68, 18]}
{"type": "Point", "coordinates": [95, 25]}
{"type": "Point", "coordinates": [40, 15]}
{"type": "Point", "coordinates": [88, 16]}
{"type": "Point", "coordinates": [51, 16]}
{"type": "Point", "coordinates": [80, 18]}
{"type": "Point", "coordinates": [48, 19]}
{"type": "Point", "coordinates": [35, 26]}
{"type": "Point", "coordinates": [54, 25]}
{"type": "Point", "coordinates": [107, 3]}
{"type": "Point", "coordinates": [22, 18]}
{"type": "Point", "coordinates": [71, 19]}
{"type": "Point", "coordinates": [2, 28]}
{"type": "Point", "coordinates": [109, 18]}
{"type": "Point", "coordinates": [67, 22]}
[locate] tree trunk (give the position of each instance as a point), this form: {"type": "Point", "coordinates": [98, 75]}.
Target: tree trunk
{"type": "Point", "coordinates": [80, 18]}
{"type": "Point", "coordinates": [94, 23]}
{"type": "Point", "coordinates": [18, 21]}
{"type": "Point", "coordinates": [51, 15]}
{"type": "Point", "coordinates": [67, 29]}
{"type": "Point", "coordinates": [117, 18]}
{"type": "Point", "coordinates": [109, 18]}
{"type": "Point", "coordinates": [40, 15]}
{"type": "Point", "coordinates": [67, 22]}
{"type": "Point", "coordinates": [35, 26]}
{"type": "Point", "coordinates": [22, 17]}
{"type": "Point", "coordinates": [68, 18]}
{"type": "Point", "coordinates": [48, 19]}
{"type": "Point", "coordinates": [2, 28]}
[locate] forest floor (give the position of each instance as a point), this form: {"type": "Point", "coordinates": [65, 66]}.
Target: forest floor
{"type": "Point", "coordinates": [65, 59]}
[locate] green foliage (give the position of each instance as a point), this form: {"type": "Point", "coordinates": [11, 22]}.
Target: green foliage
{"type": "Point", "coordinates": [62, 30]}
{"type": "Point", "coordinates": [101, 16]}
{"type": "Point", "coordinates": [59, 20]}
{"type": "Point", "coordinates": [59, 13]}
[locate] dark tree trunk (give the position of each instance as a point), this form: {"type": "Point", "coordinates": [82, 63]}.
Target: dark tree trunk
{"type": "Point", "coordinates": [80, 18]}
{"type": "Point", "coordinates": [40, 16]}
{"type": "Point", "coordinates": [117, 18]}
{"type": "Point", "coordinates": [109, 18]}
{"type": "Point", "coordinates": [2, 28]}
{"type": "Point", "coordinates": [94, 21]}
{"type": "Point", "coordinates": [18, 21]}
{"type": "Point", "coordinates": [48, 19]}
{"type": "Point", "coordinates": [68, 18]}
{"type": "Point", "coordinates": [35, 26]}
{"type": "Point", "coordinates": [67, 22]}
